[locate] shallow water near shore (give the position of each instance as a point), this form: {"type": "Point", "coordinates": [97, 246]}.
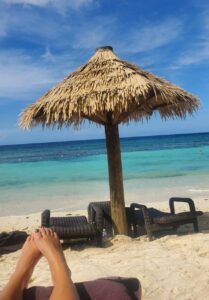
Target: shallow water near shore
{"type": "Point", "coordinates": [68, 175]}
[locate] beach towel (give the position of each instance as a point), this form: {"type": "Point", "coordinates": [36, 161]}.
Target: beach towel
{"type": "Point", "coordinates": [110, 288]}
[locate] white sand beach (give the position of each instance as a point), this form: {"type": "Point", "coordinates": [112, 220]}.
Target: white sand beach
{"type": "Point", "coordinates": [170, 267]}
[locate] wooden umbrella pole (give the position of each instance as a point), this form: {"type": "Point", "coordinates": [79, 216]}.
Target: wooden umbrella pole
{"type": "Point", "coordinates": [116, 179]}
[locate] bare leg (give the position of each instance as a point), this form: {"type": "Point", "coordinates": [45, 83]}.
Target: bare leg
{"type": "Point", "coordinates": [48, 243]}
{"type": "Point", "coordinates": [23, 271]}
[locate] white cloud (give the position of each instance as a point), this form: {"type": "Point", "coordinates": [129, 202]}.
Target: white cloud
{"type": "Point", "coordinates": [6, 133]}
{"type": "Point", "coordinates": [25, 77]}
{"type": "Point", "coordinates": [97, 32]}
{"type": "Point", "coordinates": [30, 2]}
{"type": "Point", "coordinates": [206, 21]}
{"type": "Point", "coordinates": [199, 54]}
{"type": "Point", "coordinates": [48, 56]}
{"type": "Point", "coordinates": [106, 31]}
{"type": "Point", "coordinates": [89, 33]}
{"type": "Point", "coordinates": [3, 24]}
{"type": "Point", "coordinates": [2, 30]}
{"type": "Point", "coordinates": [60, 5]}
{"type": "Point", "coordinates": [152, 36]}
{"type": "Point", "coordinates": [198, 51]}
{"type": "Point", "coordinates": [32, 25]}
{"type": "Point", "coordinates": [91, 38]}
{"type": "Point", "coordinates": [21, 75]}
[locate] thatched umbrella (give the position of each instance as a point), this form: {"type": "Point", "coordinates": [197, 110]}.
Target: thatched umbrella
{"type": "Point", "coordinates": [109, 91]}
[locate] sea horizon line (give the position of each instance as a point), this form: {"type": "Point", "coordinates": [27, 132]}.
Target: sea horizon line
{"type": "Point", "coordinates": [103, 139]}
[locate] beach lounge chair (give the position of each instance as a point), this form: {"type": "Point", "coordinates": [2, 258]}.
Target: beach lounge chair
{"type": "Point", "coordinates": [143, 220]}
{"type": "Point", "coordinates": [99, 214]}
{"type": "Point", "coordinates": [70, 228]}
{"type": "Point", "coordinates": [152, 220]}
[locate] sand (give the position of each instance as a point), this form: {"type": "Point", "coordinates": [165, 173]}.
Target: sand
{"type": "Point", "coordinates": [170, 267]}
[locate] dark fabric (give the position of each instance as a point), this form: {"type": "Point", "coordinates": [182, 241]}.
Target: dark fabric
{"type": "Point", "coordinates": [12, 241]}
{"type": "Point", "coordinates": [112, 288]}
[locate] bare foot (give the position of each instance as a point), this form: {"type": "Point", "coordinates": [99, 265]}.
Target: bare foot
{"type": "Point", "coordinates": [29, 257]}
{"type": "Point", "coordinates": [48, 243]}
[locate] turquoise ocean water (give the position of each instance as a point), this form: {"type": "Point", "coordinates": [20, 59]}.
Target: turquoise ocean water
{"type": "Point", "coordinates": [68, 175]}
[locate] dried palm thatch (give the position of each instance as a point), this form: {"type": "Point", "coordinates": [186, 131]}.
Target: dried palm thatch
{"type": "Point", "coordinates": [107, 84]}
{"type": "Point", "coordinates": [109, 91]}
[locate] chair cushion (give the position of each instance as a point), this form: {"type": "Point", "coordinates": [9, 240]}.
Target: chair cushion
{"type": "Point", "coordinates": [160, 217]}
{"type": "Point", "coordinates": [184, 216]}
{"type": "Point", "coordinates": [153, 213]}
{"type": "Point", "coordinates": [111, 288]}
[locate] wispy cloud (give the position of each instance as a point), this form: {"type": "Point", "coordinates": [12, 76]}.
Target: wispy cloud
{"type": "Point", "coordinates": [60, 5]}
{"type": "Point", "coordinates": [97, 32]}
{"type": "Point", "coordinates": [198, 51]}
{"type": "Point", "coordinates": [3, 28]}
{"type": "Point", "coordinates": [27, 72]}
{"type": "Point", "coordinates": [84, 32]}
{"type": "Point", "coordinates": [104, 31]}
{"type": "Point", "coordinates": [31, 25]}
{"type": "Point", "coordinates": [3, 23]}
{"type": "Point", "coordinates": [22, 76]}
{"type": "Point", "coordinates": [154, 35]}
{"type": "Point", "coordinates": [59, 41]}
{"type": "Point", "coordinates": [5, 133]}
{"type": "Point", "coordinates": [29, 2]}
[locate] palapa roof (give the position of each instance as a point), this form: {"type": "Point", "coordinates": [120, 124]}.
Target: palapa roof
{"type": "Point", "coordinates": [107, 89]}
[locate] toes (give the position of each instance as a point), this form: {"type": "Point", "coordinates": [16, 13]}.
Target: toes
{"type": "Point", "coordinates": [43, 231]}
{"type": "Point", "coordinates": [28, 238]}
{"type": "Point", "coordinates": [50, 232]}
{"type": "Point", "coordinates": [47, 231]}
{"type": "Point", "coordinates": [37, 235]}
{"type": "Point", "coordinates": [55, 235]}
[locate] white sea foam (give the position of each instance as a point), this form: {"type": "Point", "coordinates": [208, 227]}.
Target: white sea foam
{"type": "Point", "coordinates": [198, 190]}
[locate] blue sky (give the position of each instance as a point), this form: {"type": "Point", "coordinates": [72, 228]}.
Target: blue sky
{"type": "Point", "coordinates": [41, 41]}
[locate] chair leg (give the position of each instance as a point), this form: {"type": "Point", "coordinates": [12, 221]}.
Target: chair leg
{"type": "Point", "coordinates": [98, 239]}
{"type": "Point", "coordinates": [149, 233]}
{"type": "Point", "coordinates": [147, 227]}
{"type": "Point", "coordinates": [150, 236]}
{"type": "Point", "coordinates": [196, 227]}
{"type": "Point", "coordinates": [135, 231]}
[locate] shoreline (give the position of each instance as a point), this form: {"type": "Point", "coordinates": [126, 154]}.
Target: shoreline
{"type": "Point", "coordinates": [78, 203]}
{"type": "Point", "coordinates": [77, 197]}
